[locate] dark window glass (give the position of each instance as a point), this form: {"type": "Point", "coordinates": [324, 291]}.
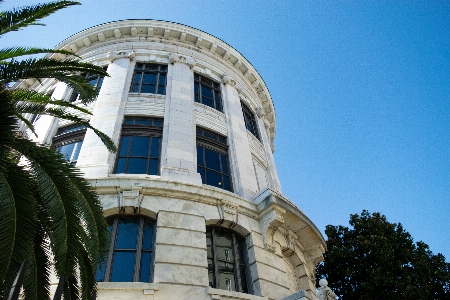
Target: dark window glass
{"type": "Point", "coordinates": [68, 141]}
{"type": "Point", "coordinates": [149, 78]}
{"type": "Point", "coordinates": [140, 146]}
{"type": "Point", "coordinates": [94, 80]}
{"type": "Point", "coordinates": [207, 92]}
{"type": "Point", "coordinates": [130, 236]}
{"type": "Point", "coordinates": [250, 121]}
{"type": "Point", "coordinates": [212, 162]}
{"type": "Point", "coordinates": [226, 252]}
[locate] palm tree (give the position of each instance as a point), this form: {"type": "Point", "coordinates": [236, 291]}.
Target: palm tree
{"type": "Point", "coordinates": [49, 216]}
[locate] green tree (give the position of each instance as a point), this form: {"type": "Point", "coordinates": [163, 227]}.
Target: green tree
{"type": "Point", "coordinates": [49, 216]}
{"type": "Point", "coordinates": [379, 260]}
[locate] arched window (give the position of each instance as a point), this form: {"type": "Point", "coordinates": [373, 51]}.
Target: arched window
{"type": "Point", "coordinates": [131, 252]}
{"type": "Point", "coordinates": [227, 267]}
{"type": "Point", "coordinates": [68, 141]}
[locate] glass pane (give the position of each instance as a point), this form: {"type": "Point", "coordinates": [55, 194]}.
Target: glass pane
{"type": "Point", "coordinates": [145, 266]}
{"type": "Point", "coordinates": [199, 156]}
{"type": "Point", "coordinates": [149, 78]}
{"type": "Point", "coordinates": [129, 121]}
{"type": "Point", "coordinates": [154, 164]}
{"type": "Point", "coordinates": [212, 160]}
{"type": "Point", "coordinates": [226, 183]}
{"type": "Point", "coordinates": [201, 171]}
{"type": "Point", "coordinates": [211, 135]}
{"type": "Point", "coordinates": [226, 277]}
{"type": "Point", "coordinates": [100, 273]}
{"type": "Point", "coordinates": [147, 88]}
{"type": "Point", "coordinates": [243, 279]}
{"type": "Point", "coordinates": [156, 142]}
{"type": "Point", "coordinates": [121, 165]}
{"type": "Point", "coordinates": [123, 267]}
{"type": "Point", "coordinates": [157, 123]}
{"type": "Point", "coordinates": [66, 150]}
{"type": "Point", "coordinates": [208, 244]}
{"type": "Point", "coordinates": [162, 80]}
{"type": "Point", "coordinates": [137, 166]}
{"type": "Point", "coordinates": [124, 145]}
{"type": "Point", "coordinates": [77, 150]}
{"type": "Point", "coordinates": [147, 122]}
{"type": "Point", "coordinates": [127, 234]}
{"type": "Point", "coordinates": [213, 178]}
{"type": "Point", "coordinates": [196, 89]}
{"type": "Point", "coordinates": [148, 236]}
{"type": "Point", "coordinates": [137, 78]}
{"type": "Point", "coordinates": [99, 84]}
{"type": "Point", "coordinates": [210, 273]}
{"type": "Point", "coordinates": [161, 90]}
{"type": "Point", "coordinates": [224, 161]}
{"type": "Point", "coordinates": [139, 146]}
{"type": "Point", "coordinates": [207, 102]}
{"type": "Point", "coordinates": [241, 251]}
{"type": "Point", "coordinates": [224, 246]}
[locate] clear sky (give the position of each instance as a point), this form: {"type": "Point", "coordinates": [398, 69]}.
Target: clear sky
{"type": "Point", "coordinates": [361, 92]}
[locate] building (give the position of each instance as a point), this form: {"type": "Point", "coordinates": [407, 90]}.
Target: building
{"type": "Point", "coordinates": [192, 196]}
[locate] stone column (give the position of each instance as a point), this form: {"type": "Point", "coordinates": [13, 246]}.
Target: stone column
{"type": "Point", "coordinates": [272, 174]}
{"type": "Point", "coordinates": [178, 153]}
{"type": "Point", "coordinates": [95, 160]}
{"type": "Point", "coordinates": [243, 172]}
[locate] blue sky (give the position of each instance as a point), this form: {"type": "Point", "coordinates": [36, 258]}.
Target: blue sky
{"type": "Point", "coordinates": [361, 91]}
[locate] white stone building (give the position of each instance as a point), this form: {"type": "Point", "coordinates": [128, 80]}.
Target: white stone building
{"type": "Point", "coordinates": [192, 196]}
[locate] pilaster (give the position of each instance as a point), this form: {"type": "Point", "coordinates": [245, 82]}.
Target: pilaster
{"type": "Point", "coordinates": [178, 159]}
{"type": "Point", "coordinates": [240, 153]}
{"type": "Point", "coordinates": [95, 160]}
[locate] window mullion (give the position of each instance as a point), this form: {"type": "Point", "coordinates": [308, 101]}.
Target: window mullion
{"type": "Point", "coordinates": [109, 261]}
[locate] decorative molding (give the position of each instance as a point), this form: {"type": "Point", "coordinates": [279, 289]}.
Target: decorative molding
{"type": "Point", "coordinates": [269, 247]}
{"type": "Point", "coordinates": [272, 219]}
{"type": "Point", "coordinates": [187, 60]}
{"type": "Point", "coordinates": [228, 211]}
{"type": "Point", "coordinates": [113, 55]}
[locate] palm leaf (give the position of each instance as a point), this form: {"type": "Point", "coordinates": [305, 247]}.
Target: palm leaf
{"type": "Point", "coordinates": [22, 17]}
{"type": "Point", "coordinates": [12, 52]}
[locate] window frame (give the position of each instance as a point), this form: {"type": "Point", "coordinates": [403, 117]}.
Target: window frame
{"type": "Point", "coordinates": [109, 263]}
{"type": "Point", "coordinates": [215, 88]}
{"type": "Point", "coordinates": [219, 146]}
{"type": "Point", "coordinates": [135, 130]}
{"type": "Point", "coordinates": [237, 275]}
{"type": "Point", "coordinates": [140, 68]}
{"type": "Point", "coordinates": [250, 121]}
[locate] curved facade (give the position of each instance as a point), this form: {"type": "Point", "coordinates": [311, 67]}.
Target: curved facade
{"type": "Point", "coordinates": [193, 198]}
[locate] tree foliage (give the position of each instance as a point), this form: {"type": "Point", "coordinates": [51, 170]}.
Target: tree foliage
{"type": "Point", "coordinates": [49, 215]}
{"type": "Point", "coordinates": [376, 259]}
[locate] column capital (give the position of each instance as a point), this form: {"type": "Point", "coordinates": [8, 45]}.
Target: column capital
{"type": "Point", "coordinates": [175, 57]}
{"type": "Point", "coordinates": [113, 55]}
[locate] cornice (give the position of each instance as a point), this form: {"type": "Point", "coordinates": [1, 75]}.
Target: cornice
{"type": "Point", "coordinates": [194, 39]}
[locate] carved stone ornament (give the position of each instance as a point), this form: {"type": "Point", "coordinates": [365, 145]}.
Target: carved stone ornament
{"type": "Point", "coordinates": [270, 222]}
{"type": "Point", "coordinates": [269, 247]}
{"type": "Point", "coordinates": [228, 80]}
{"type": "Point", "coordinates": [260, 112]}
{"type": "Point", "coordinates": [131, 198]}
{"type": "Point", "coordinates": [174, 57]}
{"type": "Point", "coordinates": [228, 211]}
{"type": "Point", "coordinates": [113, 55]}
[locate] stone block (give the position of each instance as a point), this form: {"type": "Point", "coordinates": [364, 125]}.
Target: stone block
{"type": "Point", "coordinates": [171, 236]}
{"type": "Point", "coordinates": [180, 255]}
{"type": "Point", "coordinates": [181, 221]}
{"type": "Point", "coordinates": [173, 273]}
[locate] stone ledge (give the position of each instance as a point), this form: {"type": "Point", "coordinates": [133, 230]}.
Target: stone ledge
{"type": "Point", "coordinates": [224, 294]}
{"type": "Point", "coordinates": [128, 286]}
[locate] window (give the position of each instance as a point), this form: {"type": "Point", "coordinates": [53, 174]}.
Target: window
{"type": "Point", "coordinates": [250, 120]}
{"type": "Point", "coordinates": [68, 141]}
{"type": "Point", "coordinates": [94, 80]}
{"type": "Point", "coordinates": [227, 268]}
{"type": "Point", "coordinates": [212, 159]}
{"type": "Point", "coordinates": [140, 146]}
{"type": "Point", "coordinates": [149, 78]}
{"type": "Point", "coordinates": [131, 252]}
{"type": "Point", "coordinates": [207, 92]}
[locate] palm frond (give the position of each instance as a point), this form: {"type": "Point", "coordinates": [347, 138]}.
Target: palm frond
{"type": "Point", "coordinates": [13, 52]}
{"type": "Point", "coordinates": [25, 16]}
